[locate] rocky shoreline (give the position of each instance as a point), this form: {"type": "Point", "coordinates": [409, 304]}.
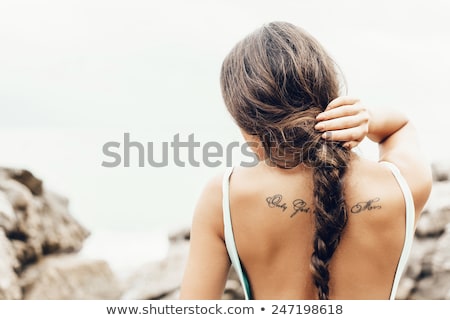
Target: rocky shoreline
{"type": "Point", "coordinates": [40, 243]}
{"type": "Point", "coordinates": [427, 276]}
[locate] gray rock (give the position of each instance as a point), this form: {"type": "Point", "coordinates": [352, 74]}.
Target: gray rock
{"type": "Point", "coordinates": [61, 231]}
{"type": "Point", "coordinates": [441, 170]}
{"type": "Point", "coordinates": [436, 214]}
{"type": "Point", "coordinates": [26, 228]}
{"type": "Point", "coordinates": [25, 177]}
{"type": "Point", "coordinates": [25, 254]}
{"type": "Point", "coordinates": [434, 279]}
{"type": "Point", "coordinates": [233, 287]}
{"type": "Point", "coordinates": [8, 218]}
{"type": "Point", "coordinates": [158, 279]}
{"type": "Point", "coordinates": [36, 233]}
{"type": "Point", "coordinates": [435, 287]}
{"type": "Point", "coordinates": [405, 288]}
{"type": "Point", "coordinates": [233, 290]}
{"type": "Point", "coordinates": [162, 279]}
{"type": "Point", "coordinates": [447, 296]}
{"type": "Point", "coordinates": [43, 223]}
{"type": "Point", "coordinates": [174, 295]}
{"type": "Point", "coordinates": [9, 284]}
{"type": "Point", "coordinates": [441, 257]}
{"type": "Point", "coordinates": [180, 234]}
{"type": "Point", "coordinates": [69, 277]}
{"type": "Point", "coordinates": [421, 255]}
{"type": "Point", "coordinates": [17, 194]}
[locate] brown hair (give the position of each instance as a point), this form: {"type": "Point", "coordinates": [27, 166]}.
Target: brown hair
{"type": "Point", "coordinates": [274, 83]}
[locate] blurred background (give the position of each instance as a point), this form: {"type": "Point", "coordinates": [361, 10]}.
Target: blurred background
{"type": "Point", "coordinates": [75, 75]}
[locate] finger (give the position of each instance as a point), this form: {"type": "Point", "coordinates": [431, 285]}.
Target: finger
{"type": "Point", "coordinates": [340, 123]}
{"type": "Point", "coordinates": [342, 111]}
{"type": "Point", "coordinates": [342, 100]}
{"type": "Point", "coordinates": [352, 134]}
{"type": "Point", "coordinates": [350, 144]}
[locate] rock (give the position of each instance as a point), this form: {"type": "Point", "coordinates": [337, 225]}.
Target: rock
{"type": "Point", "coordinates": [433, 280]}
{"type": "Point", "coordinates": [233, 288]}
{"type": "Point", "coordinates": [180, 234]}
{"type": "Point", "coordinates": [26, 228]}
{"type": "Point", "coordinates": [43, 223]}
{"type": "Point", "coordinates": [233, 291]}
{"type": "Point", "coordinates": [447, 296]}
{"type": "Point", "coordinates": [25, 254]}
{"type": "Point", "coordinates": [441, 170]}
{"type": "Point", "coordinates": [162, 279]}
{"type": "Point", "coordinates": [405, 287]}
{"type": "Point", "coordinates": [174, 295]}
{"type": "Point", "coordinates": [419, 261]}
{"type": "Point", "coordinates": [435, 287]}
{"type": "Point", "coordinates": [38, 240]}
{"type": "Point", "coordinates": [37, 233]}
{"type": "Point", "coordinates": [61, 232]}
{"type": "Point", "coordinates": [8, 218]}
{"type": "Point", "coordinates": [436, 214]}
{"type": "Point", "coordinates": [441, 258]}
{"type": "Point", "coordinates": [69, 277]}
{"type": "Point", "coordinates": [17, 194]}
{"type": "Point", "coordinates": [25, 177]}
{"type": "Point", "coordinates": [9, 284]}
{"type": "Point", "coordinates": [158, 279]}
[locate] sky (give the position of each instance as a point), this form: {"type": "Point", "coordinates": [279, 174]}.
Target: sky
{"type": "Point", "coordinates": [75, 75]}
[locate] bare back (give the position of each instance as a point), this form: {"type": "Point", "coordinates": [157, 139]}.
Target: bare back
{"type": "Point", "coordinates": [273, 225]}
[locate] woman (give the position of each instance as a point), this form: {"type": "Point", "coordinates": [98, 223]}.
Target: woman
{"type": "Point", "coordinates": [313, 220]}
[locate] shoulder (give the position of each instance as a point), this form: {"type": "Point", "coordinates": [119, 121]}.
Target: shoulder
{"type": "Point", "coordinates": [367, 177]}
{"type": "Point", "coordinates": [212, 190]}
{"type": "Point", "coordinates": [373, 197]}
{"type": "Point", "coordinates": [248, 183]}
{"type": "Point", "coordinates": [372, 176]}
{"type": "Point", "coordinates": [419, 180]}
{"type": "Point", "coordinates": [242, 179]}
{"type": "Point", "coordinates": [368, 172]}
{"type": "Point", "coordinates": [208, 212]}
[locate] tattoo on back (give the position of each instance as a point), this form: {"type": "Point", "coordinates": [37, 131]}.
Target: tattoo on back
{"type": "Point", "coordinates": [276, 201]}
{"type": "Point", "coordinates": [366, 205]}
{"type": "Point", "coordinates": [298, 205]}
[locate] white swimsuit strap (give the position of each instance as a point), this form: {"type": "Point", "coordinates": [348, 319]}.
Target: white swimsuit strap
{"type": "Point", "coordinates": [228, 231]}
{"type": "Point", "coordinates": [409, 232]}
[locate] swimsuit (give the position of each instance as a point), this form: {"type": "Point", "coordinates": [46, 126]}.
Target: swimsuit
{"type": "Point", "coordinates": [409, 233]}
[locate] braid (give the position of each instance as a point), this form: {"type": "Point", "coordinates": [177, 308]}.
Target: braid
{"type": "Point", "coordinates": [329, 161]}
{"type": "Point", "coordinates": [330, 212]}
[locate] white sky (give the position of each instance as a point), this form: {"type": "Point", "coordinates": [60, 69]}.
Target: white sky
{"type": "Point", "coordinates": [102, 62]}
{"type": "Point", "coordinates": [75, 74]}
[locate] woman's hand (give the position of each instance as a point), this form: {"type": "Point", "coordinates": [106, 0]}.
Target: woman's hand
{"type": "Point", "coordinates": [345, 119]}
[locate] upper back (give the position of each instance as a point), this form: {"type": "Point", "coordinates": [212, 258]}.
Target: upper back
{"type": "Point", "coordinates": [272, 216]}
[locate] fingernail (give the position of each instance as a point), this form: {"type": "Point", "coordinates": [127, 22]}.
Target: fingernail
{"type": "Point", "coordinates": [319, 116]}
{"type": "Point", "coordinates": [319, 126]}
